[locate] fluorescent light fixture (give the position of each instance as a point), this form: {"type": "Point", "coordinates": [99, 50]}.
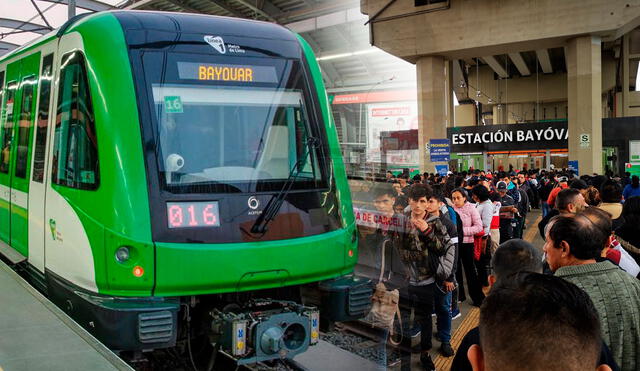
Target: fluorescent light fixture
{"type": "Point", "coordinates": [344, 55]}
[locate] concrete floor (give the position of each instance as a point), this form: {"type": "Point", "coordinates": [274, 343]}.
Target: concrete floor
{"type": "Point", "coordinates": [36, 335]}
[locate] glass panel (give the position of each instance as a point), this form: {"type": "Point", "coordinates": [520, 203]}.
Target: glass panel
{"type": "Point", "coordinates": [24, 126]}
{"type": "Point", "coordinates": [43, 119]}
{"type": "Point", "coordinates": [7, 128]}
{"type": "Point", "coordinates": [232, 135]}
{"type": "Point", "coordinates": [75, 155]}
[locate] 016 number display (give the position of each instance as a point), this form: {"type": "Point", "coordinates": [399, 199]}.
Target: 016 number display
{"type": "Point", "coordinates": [193, 214]}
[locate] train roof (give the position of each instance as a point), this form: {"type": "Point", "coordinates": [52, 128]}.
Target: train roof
{"type": "Point", "coordinates": [201, 24]}
{"type": "Point", "coordinates": [169, 22]}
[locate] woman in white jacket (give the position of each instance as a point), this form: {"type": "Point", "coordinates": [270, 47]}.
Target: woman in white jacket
{"type": "Point", "coordinates": [485, 207]}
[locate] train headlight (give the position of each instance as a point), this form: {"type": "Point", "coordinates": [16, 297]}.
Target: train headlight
{"type": "Point", "coordinates": [122, 254]}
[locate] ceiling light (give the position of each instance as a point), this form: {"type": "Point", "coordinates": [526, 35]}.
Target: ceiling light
{"type": "Point", "coordinates": [344, 55]}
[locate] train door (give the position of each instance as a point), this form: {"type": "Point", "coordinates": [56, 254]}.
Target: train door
{"type": "Point", "coordinates": [16, 147]}
{"type": "Point", "coordinates": [10, 75]}
{"type": "Point", "coordinates": [37, 226]}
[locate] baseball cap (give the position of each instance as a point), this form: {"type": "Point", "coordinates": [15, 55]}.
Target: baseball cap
{"type": "Point", "coordinates": [501, 186]}
{"type": "Point", "coordinates": [563, 179]}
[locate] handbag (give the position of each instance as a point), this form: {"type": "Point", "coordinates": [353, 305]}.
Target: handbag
{"type": "Point", "coordinates": [385, 305]}
{"type": "Point", "coordinates": [480, 242]}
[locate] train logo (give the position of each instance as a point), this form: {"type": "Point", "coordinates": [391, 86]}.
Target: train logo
{"type": "Point", "coordinates": [217, 42]}
{"type": "Point", "coordinates": [52, 227]}
{"type": "Point", "coordinates": [253, 202]}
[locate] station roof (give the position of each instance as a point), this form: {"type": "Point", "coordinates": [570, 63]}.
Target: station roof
{"type": "Point", "coordinates": [335, 29]}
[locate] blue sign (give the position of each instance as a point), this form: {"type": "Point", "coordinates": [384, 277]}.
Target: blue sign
{"type": "Point", "coordinates": [439, 150]}
{"type": "Point", "coordinates": [442, 170]}
{"type": "Point", "coordinates": [573, 166]}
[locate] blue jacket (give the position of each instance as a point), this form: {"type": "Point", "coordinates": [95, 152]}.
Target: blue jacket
{"type": "Point", "coordinates": [629, 191]}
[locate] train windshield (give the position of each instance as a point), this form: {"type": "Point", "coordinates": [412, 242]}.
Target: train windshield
{"type": "Point", "coordinates": [235, 127]}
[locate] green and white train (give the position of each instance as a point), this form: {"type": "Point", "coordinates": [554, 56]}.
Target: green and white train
{"type": "Point", "coordinates": [166, 176]}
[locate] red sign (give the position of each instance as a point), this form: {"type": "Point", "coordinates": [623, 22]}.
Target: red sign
{"type": "Point", "coordinates": [391, 111]}
{"type": "Point", "coordinates": [376, 96]}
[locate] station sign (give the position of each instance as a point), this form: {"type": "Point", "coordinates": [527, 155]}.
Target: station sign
{"type": "Point", "coordinates": [539, 135]}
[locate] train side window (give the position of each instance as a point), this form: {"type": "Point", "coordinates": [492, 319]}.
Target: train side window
{"type": "Point", "coordinates": [75, 146]}
{"type": "Point", "coordinates": [43, 119]}
{"type": "Point", "coordinates": [7, 127]}
{"type": "Point", "coordinates": [24, 126]}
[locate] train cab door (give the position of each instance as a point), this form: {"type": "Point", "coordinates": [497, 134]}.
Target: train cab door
{"type": "Point", "coordinates": [16, 151]}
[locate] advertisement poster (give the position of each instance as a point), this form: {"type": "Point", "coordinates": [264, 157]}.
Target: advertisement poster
{"type": "Point", "coordinates": [389, 117]}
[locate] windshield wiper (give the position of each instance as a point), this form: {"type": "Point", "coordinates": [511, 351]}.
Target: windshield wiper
{"type": "Point", "coordinates": [276, 201]}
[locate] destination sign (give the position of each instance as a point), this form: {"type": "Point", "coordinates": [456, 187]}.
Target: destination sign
{"type": "Point", "coordinates": [227, 72]}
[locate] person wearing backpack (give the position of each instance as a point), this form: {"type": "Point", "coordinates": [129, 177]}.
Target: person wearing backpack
{"type": "Point", "coordinates": [428, 255]}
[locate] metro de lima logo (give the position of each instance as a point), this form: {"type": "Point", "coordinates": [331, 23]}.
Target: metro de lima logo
{"type": "Point", "coordinates": [217, 42]}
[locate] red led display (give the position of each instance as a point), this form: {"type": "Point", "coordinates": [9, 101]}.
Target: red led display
{"type": "Point", "coordinates": [193, 214]}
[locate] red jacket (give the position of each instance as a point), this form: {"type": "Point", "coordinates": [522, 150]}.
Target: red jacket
{"type": "Point", "coordinates": [551, 201]}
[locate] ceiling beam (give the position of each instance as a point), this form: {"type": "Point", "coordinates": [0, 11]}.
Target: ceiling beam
{"type": "Point", "coordinates": [5, 46]}
{"type": "Point", "coordinates": [96, 6]}
{"type": "Point", "coordinates": [315, 11]}
{"type": "Point", "coordinates": [24, 26]}
{"type": "Point", "coordinates": [263, 13]}
{"type": "Point", "coordinates": [140, 4]}
{"type": "Point", "coordinates": [545, 61]}
{"type": "Point", "coordinates": [327, 20]}
{"type": "Point", "coordinates": [184, 7]}
{"type": "Point", "coordinates": [495, 66]}
{"type": "Point", "coordinates": [225, 6]}
{"type": "Point", "coordinates": [521, 65]}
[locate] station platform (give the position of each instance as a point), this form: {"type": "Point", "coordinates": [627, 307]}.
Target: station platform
{"type": "Point", "coordinates": [37, 335]}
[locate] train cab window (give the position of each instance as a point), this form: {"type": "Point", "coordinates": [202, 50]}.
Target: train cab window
{"type": "Point", "coordinates": [75, 146]}
{"type": "Point", "coordinates": [24, 126]}
{"type": "Point", "coordinates": [43, 119]}
{"type": "Point", "coordinates": [7, 127]}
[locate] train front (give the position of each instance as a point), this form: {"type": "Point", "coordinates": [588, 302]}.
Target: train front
{"type": "Point", "coordinates": [247, 189]}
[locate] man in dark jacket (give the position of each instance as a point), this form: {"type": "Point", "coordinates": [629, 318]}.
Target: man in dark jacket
{"type": "Point", "coordinates": [508, 212]}
{"type": "Point", "coordinates": [568, 201]}
{"type": "Point", "coordinates": [428, 255]}
{"type": "Point", "coordinates": [523, 209]}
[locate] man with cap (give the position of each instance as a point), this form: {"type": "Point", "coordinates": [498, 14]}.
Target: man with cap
{"type": "Point", "coordinates": [508, 211]}
{"type": "Point", "coordinates": [563, 182]}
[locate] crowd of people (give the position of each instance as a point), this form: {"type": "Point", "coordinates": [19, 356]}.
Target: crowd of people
{"type": "Point", "coordinates": [573, 304]}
